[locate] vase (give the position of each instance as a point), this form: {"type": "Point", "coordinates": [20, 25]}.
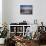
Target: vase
{"type": "Point", "coordinates": [2, 40]}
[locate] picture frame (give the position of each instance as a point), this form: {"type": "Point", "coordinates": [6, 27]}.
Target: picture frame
{"type": "Point", "coordinates": [26, 9]}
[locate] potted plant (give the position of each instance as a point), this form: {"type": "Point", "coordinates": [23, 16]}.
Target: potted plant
{"type": "Point", "coordinates": [3, 34]}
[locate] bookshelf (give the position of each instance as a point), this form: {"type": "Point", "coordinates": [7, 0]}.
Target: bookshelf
{"type": "Point", "coordinates": [18, 29]}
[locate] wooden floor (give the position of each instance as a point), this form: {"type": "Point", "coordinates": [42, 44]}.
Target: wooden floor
{"type": "Point", "coordinates": [1, 45]}
{"type": "Point", "coordinates": [42, 45]}
{"type": "Point", "coordinates": [32, 45]}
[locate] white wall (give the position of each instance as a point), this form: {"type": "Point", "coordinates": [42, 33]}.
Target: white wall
{"type": "Point", "coordinates": [12, 11]}
{"type": "Point", "coordinates": [0, 13]}
{"type": "Point", "coordinates": [4, 11]}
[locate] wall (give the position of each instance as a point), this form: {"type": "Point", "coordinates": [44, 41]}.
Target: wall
{"type": "Point", "coordinates": [12, 13]}
{"type": "Point", "coordinates": [0, 13]}
{"type": "Point", "coordinates": [4, 11]}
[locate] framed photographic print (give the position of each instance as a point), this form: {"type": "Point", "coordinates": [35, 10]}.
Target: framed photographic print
{"type": "Point", "coordinates": [26, 9]}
